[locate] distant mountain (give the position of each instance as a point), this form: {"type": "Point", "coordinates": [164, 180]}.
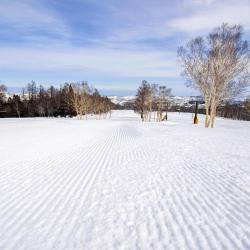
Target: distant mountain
{"type": "Point", "coordinates": [121, 100]}
{"type": "Point", "coordinates": [175, 100]}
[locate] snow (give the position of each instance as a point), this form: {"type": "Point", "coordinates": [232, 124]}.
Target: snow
{"type": "Point", "coordinates": [176, 100]}
{"type": "Point", "coordinates": [121, 100]}
{"type": "Point", "coordinates": [124, 184]}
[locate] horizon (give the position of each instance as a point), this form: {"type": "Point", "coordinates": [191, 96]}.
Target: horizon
{"type": "Point", "coordinates": [112, 45]}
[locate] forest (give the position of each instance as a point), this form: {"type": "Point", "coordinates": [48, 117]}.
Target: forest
{"type": "Point", "coordinates": [72, 99]}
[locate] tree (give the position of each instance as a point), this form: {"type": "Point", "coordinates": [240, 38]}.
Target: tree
{"type": "Point", "coordinates": [75, 98]}
{"type": "Point", "coordinates": [85, 99]}
{"type": "Point", "coordinates": [51, 101]}
{"type": "Point", "coordinates": [143, 99]}
{"type": "Point", "coordinates": [3, 89]}
{"type": "Point", "coordinates": [32, 90]}
{"type": "Point", "coordinates": [17, 104]}
{"type": "Point", "coordinates": [247, 104]}
{"type": "Point", "coordinates": [32, 99]}
{"type": "Point", "coordinates": [70, 100]}
{"type": "Point", "coordinates": [194, 59]}
{"type": "Point", "coordinates": [217, 66]}
{"type": "Point", "coordinates": [162, 100]}
{"type": "Point", "coordinates": [41, 102]}
{"type": "Point", "coordinates": [151, 98]}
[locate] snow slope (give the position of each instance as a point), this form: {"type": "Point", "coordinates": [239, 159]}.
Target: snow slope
{"type": "Point", "coordinates": [123, 184]}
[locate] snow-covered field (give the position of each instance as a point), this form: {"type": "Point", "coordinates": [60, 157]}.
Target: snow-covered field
{"type": "Point", "coordinates": [124, 184]}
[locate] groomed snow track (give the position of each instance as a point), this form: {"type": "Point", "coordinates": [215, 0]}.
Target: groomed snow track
{"type": "Point", "coordinates": [123, 184]}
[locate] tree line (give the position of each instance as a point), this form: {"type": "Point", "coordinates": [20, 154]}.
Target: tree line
{"type": "Point", "coordinates": [152, 102]}
{"type": "Point", "coordinates": [72, 99]}
{"type": "Point", "coordinates": [235, 111]}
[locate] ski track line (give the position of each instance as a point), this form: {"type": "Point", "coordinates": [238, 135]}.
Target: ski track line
{"type": "Point", "coordinates": [12, 167]}
{"type": "Point", "coordinates": [97, 170]}
{"type": "Point", "coordinates": [56, 181]}
{"type": "Point", "coordinates": [103, 214]}
{"type": "Point", "coordinates": [98, 167]}
{"type": "Point", "coordinates": [216, 193]}
{"type": "Point", "coordinates": [32, 210]}
{"type": "Point", "coordinates": [55, 161]}
{"type": "Point", "coordinates": [177, 201]}
{"type": "Point", "coordinates": [207, 209]}
{"type": "Point", "coordinates": [74, 231]}
{"type": "Point", "coordinates": [191, 179]}
{"type": "Point", "coordinates": [40, 171]}
{"type": "Point", "coordinates": [46, 196]}
{"type": "Point", "coordinates": [231, 204]}
{"type": "Point", "coordinates": [176, 220]}
{"type": "Point", "coordinates": [207, 237]}
{"type": "Point", "coordinates": [109, 163]}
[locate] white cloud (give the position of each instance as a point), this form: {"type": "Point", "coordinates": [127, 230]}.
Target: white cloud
{"type": "Point", "coordinates": [163, 20]}
{"type": "Point", "coordinates": [30, 16]}
{"type": "Point", "coordinates": [106, 62]}
{"type": "Point", "coordinates": [204, 2]}
{"type": "Point", "coordinates": [209, 17]}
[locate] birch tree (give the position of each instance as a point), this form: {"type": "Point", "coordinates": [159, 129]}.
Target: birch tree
{"type": "Point", "coordinates": [229, 65]}
{"type": "Point", "coordinates": [217, 66]}
{"type": "Point", "coordinates": [162, 101]}
{"type": "Point", "coordinates": [75, 99]}
{"type": "Point", "coordinates": [142, 100]}
{"type": "Point", "coordinates": [194, 59]}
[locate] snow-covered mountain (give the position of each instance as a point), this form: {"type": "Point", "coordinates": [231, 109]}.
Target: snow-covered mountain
{"type": "Point", "coordinates": [121, 100]}
{"type": "Point", "coordinates": [175, 100]}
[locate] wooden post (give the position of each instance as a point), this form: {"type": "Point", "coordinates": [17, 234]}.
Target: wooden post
{"type": "Point", "coordinates": [196, 120]}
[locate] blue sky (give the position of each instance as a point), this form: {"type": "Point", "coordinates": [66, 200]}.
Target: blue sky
{"type": "Point", "coordinates": [112, 44]}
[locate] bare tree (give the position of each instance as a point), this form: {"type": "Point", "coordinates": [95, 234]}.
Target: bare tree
{"type": "Point", "coordinates": [32, 90]}
{"type": "Point", "coordinates": [143, 100]}
{"type": "Point", "coordinates": [87, 101]}
{"type": "Point", "coordinates": [194, 59]}
{"type": "Point", "coordinates": [3, 89]}
{"type": "Point", "coordinates": [17, 102]}
{"type": "Point", "coordinates": [217, 67]}
{"type": "Point", "coordinates": [75, 98]}
{"type": "Point", "coordinates": [229, 60]}
{"type": "Point", "coordinates": [247, 104]}
{"type": "Point", "coordinates": [151, 98]}
{"type": "Point", "coordinates": [162, 101]}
